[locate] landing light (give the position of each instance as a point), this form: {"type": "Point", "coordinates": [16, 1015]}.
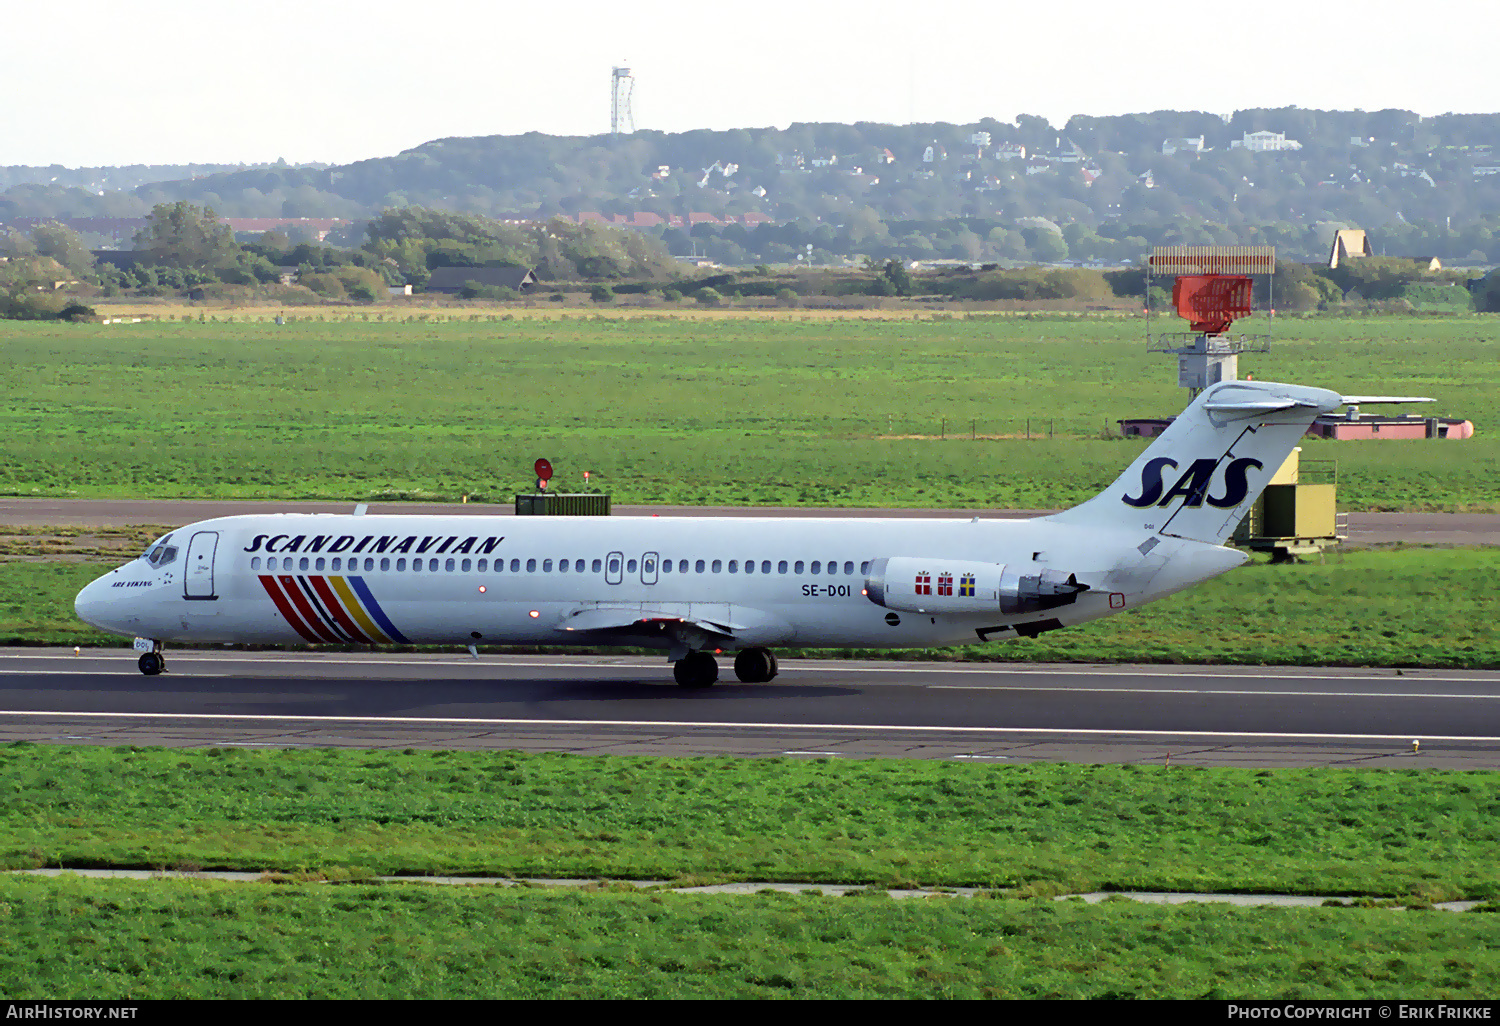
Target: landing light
{"type": "Point", "coordinates": [481, 589]}
{"type": "Point", "coordinates": [534, 613]}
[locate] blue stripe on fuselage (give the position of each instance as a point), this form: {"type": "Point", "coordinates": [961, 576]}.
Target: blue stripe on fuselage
{"type": "Point", "coordinates": [373, 608]}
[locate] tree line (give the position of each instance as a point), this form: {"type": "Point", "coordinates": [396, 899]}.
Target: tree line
{"type": "Point", "coordinates": [185, 248]}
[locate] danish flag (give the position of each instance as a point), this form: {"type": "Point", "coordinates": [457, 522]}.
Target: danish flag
{"type": "Point", "coordinates": [924, 583]}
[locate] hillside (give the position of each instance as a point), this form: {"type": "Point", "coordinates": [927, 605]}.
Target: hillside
{"type": "Point", "coordinates": [1097, 188]}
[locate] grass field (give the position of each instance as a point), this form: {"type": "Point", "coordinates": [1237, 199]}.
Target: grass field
{"type": "Point", "coordinates": [1038, 829]}
{"type": "Point", "coordinates": [724, 409]}
{"type": "Point", "coordinates": [120, 940]}
{"type": "Point", "coordinates": [1391, 607]}
{"type": "Point", "coordinates": [1024, 833]}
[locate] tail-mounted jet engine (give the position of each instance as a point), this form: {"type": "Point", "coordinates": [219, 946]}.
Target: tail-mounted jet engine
{"type": "Point", "coordinates": [957, 586]}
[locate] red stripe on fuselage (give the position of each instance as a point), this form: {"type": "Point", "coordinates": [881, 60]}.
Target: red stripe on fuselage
{"type": "Point", "coordinates": [304, 607]}
{"type": "Point", "coordinates": [331, 603]}
{"type": "Point", "coordinates": [324, 618]}
{"type": "Point", "coordinates": [282, 606]}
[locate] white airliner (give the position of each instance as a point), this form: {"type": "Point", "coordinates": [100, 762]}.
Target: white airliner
{"type": "Point", "coordinates": [700, 586]}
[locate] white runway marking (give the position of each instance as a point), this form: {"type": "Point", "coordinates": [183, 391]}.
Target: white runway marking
{"type": "Point", "coordinates": [1203, 691]}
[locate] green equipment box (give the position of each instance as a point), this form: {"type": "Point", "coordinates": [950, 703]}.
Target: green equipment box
{"type": "Point", "coordinates": [555, 504]}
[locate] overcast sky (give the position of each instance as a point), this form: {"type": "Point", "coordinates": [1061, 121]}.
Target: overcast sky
{"type": "Point", "coordinates": [100, 82]}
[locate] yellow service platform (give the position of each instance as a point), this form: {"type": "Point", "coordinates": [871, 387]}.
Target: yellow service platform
{"type": "Point", "coordinates": [1295, 516]}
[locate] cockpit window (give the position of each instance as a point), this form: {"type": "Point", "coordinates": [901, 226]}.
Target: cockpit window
{"type": "Point", "coordinates": [160, 552]}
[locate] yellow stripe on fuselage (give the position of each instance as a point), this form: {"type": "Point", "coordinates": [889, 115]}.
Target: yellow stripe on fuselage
{"type": "Point", "coordinates": [356, 610]}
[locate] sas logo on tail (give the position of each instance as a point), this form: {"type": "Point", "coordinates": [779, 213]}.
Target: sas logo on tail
{"type": "Point", "coordinates": [1194, 483]}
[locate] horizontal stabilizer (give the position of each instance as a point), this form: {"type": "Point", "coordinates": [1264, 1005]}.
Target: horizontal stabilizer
{"type": "Point", "coordinates": [1232, 407]}
{"type": "Point", "coordinates": [1360, 400]}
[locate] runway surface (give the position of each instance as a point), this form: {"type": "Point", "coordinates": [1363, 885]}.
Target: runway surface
{"type": "Point", "coordinates": [1364, 528]}
{"type": "Point", "coordinates": [1240, 716]}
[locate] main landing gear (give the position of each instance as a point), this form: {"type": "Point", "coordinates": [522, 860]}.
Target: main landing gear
{"type": "Point", "coordinates": [152, 663]}
{"type": "Point", "coordinates": [755, 665]}
{"type": "Point", "coordinates": [696, 670]}
{"type": "Point", "coordinates": [700, 670]}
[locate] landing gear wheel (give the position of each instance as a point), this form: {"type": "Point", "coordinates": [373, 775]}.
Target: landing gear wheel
{"type": "Point", "coordinates": [696, 670]}
{"type": "Point", "coordinates": [755, 666]}
{"type": "Point", "coordinates": [152, 663]}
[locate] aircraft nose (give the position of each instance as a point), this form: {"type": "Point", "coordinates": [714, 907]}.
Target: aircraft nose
{"type": "Point", "coordinates": [89, 603]}
{"type": "Point", "coordinates": [97, 607]}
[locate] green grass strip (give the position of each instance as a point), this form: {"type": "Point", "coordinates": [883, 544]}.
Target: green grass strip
{"type": "Point", "coordinates": [1039, 828]}
{"type": "Point", "coordinates": [157, 939]}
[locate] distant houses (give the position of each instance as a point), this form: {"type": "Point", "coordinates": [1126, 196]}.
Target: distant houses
{"type": "Point", "coordinates": [1171, 146]}
{"type": "Point", "coordinates": [1349, 244]}
{"type": "Point", "coordinates": [453, 280]}
{"type": "Point", "coordinates": [648, 219]}
{"type": "Point", "coordinates": [1265, 142]}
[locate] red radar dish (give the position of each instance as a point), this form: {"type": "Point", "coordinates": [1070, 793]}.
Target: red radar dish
{"type": "Point", "coordinates": [543, 470]}
{"type": "Point", "coordinates": [1212, 301]}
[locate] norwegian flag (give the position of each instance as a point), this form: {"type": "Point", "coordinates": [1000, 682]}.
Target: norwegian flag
{"type": "Point", "coordinates": [945, 584]}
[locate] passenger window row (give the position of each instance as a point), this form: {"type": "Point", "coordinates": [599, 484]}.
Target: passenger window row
{"type": "Point", "coordinates": [452, 565]}
{"type": "Point", "coordinates": [764, 566]}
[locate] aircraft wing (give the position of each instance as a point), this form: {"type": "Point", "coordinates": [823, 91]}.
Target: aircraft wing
{"type": "Point", "coordinates": [658, 615]}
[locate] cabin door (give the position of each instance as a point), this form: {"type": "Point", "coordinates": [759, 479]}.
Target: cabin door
{"type": "Point", "coordinates": [198, 574]}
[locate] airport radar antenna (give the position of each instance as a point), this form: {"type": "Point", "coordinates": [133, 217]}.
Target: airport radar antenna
{"type": "Point", "coordinates": [1213, 287]}
{"type": "Point", "coordinates": [622, 84]}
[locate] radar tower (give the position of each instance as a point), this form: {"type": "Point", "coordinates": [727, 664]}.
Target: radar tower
{"type": "Point", "coordinates": [1213, 286]}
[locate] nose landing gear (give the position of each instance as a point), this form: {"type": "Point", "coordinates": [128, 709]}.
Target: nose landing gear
{"type": "Point", "coordinates": [152, 661]}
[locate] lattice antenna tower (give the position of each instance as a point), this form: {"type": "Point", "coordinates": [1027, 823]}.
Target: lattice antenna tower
{"type": "Point", "coordinates": [622, 83]}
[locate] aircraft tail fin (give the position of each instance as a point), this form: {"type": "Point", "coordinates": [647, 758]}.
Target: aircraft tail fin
{"type": "Point", "coordinates": [1198, 479]}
